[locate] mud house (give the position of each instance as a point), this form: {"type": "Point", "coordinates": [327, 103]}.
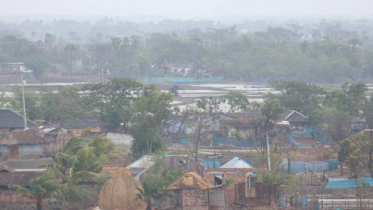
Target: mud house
{"type": "Point", "coordinates": [190, 192]}
{"type": "Point", "coordinates": [21, 144]}
{"type": "Point", "coordinates": [10, 177]}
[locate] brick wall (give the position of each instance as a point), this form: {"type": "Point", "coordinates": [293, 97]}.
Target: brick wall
{"type": "Point", "coordinates": [13, 152]}
{"type": "Point", "coordinates": [238, 175]}
{"type": "Point", "coordinates": [194, 198]}
{"type": "Point", "coordinates": [266, 194]}
{"type": "Point", "coordinates": [13, 197]}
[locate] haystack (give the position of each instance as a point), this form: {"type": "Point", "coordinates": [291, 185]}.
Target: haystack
{"type": "Point", "coordinates": [190, 181]}
{"type": "Point", "coordinates": [119, 193]}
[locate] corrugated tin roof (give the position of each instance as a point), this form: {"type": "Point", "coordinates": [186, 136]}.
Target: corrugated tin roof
{"type": "Point", "coordinates": [11, 119]}
{"type": "Point", "coordinates": [294, 116]}
{"type": "Point", "coordinates": [236, 163]}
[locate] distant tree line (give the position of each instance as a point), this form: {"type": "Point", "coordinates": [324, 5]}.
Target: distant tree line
{"type": "Point", "coordinates": [270, 54]}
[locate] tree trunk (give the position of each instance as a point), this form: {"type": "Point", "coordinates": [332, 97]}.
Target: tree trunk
{"type": "Point", "coordinates": [149, 205]}
{"type": "Point", "coordinates": [38, 203]}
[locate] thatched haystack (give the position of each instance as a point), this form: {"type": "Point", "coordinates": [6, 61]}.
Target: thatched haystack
{"type": "Point", "coordinates": [190, 181]}
{"type": "Point", "coordinates": [119, 193]}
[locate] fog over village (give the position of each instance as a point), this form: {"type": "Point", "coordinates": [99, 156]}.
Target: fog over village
{"type": "Point", "coordinates": [186, 105]}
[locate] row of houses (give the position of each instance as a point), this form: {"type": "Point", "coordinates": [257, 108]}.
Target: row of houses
{"type": "Point", "coordinates": [198, 188]}
{"type": "Point", "coordinates": [41, 140]}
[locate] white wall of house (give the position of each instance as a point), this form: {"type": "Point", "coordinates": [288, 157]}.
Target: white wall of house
{"type": "Point", "coordinates": [182, 71]}
{"type": "Point", "coordinates": [3, 150]}
{"type": "Point", "coordinates": [33, 149]}
{"type": "Point", "coordinates": [120, 139]}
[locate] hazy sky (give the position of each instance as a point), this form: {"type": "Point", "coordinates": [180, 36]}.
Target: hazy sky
{"type": "Point", "coordinates": [188, 8]}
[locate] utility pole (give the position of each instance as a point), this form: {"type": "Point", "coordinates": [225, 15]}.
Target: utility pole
{"type": "Point", "coordinates": [22, 71]}
{"type": "Point", "coordinates": [268, 148]}
{"type": "Point", "coordinates": [269, 154]}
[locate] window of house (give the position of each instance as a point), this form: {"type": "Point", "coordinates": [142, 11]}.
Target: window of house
{"type": "Point", "coordinates": [183, 71]}
{"type": "Point", "coordinates": [175, 70]}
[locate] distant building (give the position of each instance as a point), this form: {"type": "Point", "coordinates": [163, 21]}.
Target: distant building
{"type": "Point", "coordinates": [21, 144]}
{"type": "Point", "coordinates": [140, 167]}
{"type": "Point", "coordinates": [236, 163]}
{"type": "Point", "coordinates": [10, 120]}
{"type": "Point", "coordinates": [10, 177]}
{"type": "Point", "coordinates": [191, 191]}
{"type": "Point", "coordinates": [182, 69]}
{"type": "Point", "coordinates": [174, 90]}
{"type": "Point", "coordinates": [11, 67]}
{"type": "Point", "coordinates": [296, 119]}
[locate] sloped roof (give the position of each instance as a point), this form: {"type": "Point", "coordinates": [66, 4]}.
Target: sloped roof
{"type": "Point", "coordinates": [18, 178]}
{"type": "Point", "coordinates": [236, 163]}
{"type": "Point", "coordinates": [192, 181]}
{"type": "Point", "coordinates": [22, 137]}
{"type": "Point", "coordinates": [89, 120]}
{"type": "Point", "coordinates": [241, 123]}
{"type": "Point", "coordinates": [293, 116]}
{"type": "Point", "coordinates": [148, 161]}
{"type": "Point", "coordinates": [5, 168]}
{"type": "Point", "coordinates": [81, 132]}
{"type": "Point", "coordinates": [182, 65]}
{"type": "Point", "coordinates": [245, 115]}
{"type": "Point", "coordinates": [11, 119]}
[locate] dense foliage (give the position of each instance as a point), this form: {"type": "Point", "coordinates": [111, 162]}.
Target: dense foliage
{"type": "Point", "coordinates": [272, 53]}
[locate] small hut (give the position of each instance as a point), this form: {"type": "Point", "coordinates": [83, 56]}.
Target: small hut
{"type": "Point", "coordinates": [174, 90]}
{"type": "Point", "coordinates": [120, 192]}
{"type": "Point", "coordinates": [190, 192]}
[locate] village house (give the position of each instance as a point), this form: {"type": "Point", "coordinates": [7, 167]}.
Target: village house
{"type": "Point", "coordinates": [174, 68]}
{"type": "Point", "coordinates": [86, 133]}
{"type": "Point", "coordinates": [9, 176]}
{"type": "Point", "coordinates": [141, 167]}
{"type": "Point", "coordinates": [22, 144]}
{"type": "Point", "coordinates": [246, 128]}
{"type": "Point", "coordinates": [192, 192]}
{"type": "Point", "coordinates": [181, 69]}
{"type": "Point", "coordinates": [174, 90]}
{"type": "Point", "coordinates": [56, 138]}
{"type": "Point", "coordinates": [10, 120]}
{"type": "Point", "coordinates": [295, 119]}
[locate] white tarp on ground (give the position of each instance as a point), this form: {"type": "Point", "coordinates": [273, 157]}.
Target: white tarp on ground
{"type": "Point", "coordinates": [120, 139]}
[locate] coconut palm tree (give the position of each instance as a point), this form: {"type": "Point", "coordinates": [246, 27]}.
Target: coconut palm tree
{"type": "Point", "coordinates": [150, 191]}
{"type": "Point", "coordinates": [154, 186]}
{"type": "Point", "coordinates": [41, 187]}
{"type": "Point", "coordinates": [72, 196]}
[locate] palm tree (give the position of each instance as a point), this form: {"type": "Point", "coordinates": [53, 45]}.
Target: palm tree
{"type": "Point", "coordinates": [149, 192]}
{"type": "Point", "coordinates": [72, 196]}
{"type": "Point", "coordinates": [154, 187]}
{"type": "Point", "coordinates": [44, 186]}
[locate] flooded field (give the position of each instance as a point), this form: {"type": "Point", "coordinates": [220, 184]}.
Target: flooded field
{"type": "Point", "coordinates": [188, 93]}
